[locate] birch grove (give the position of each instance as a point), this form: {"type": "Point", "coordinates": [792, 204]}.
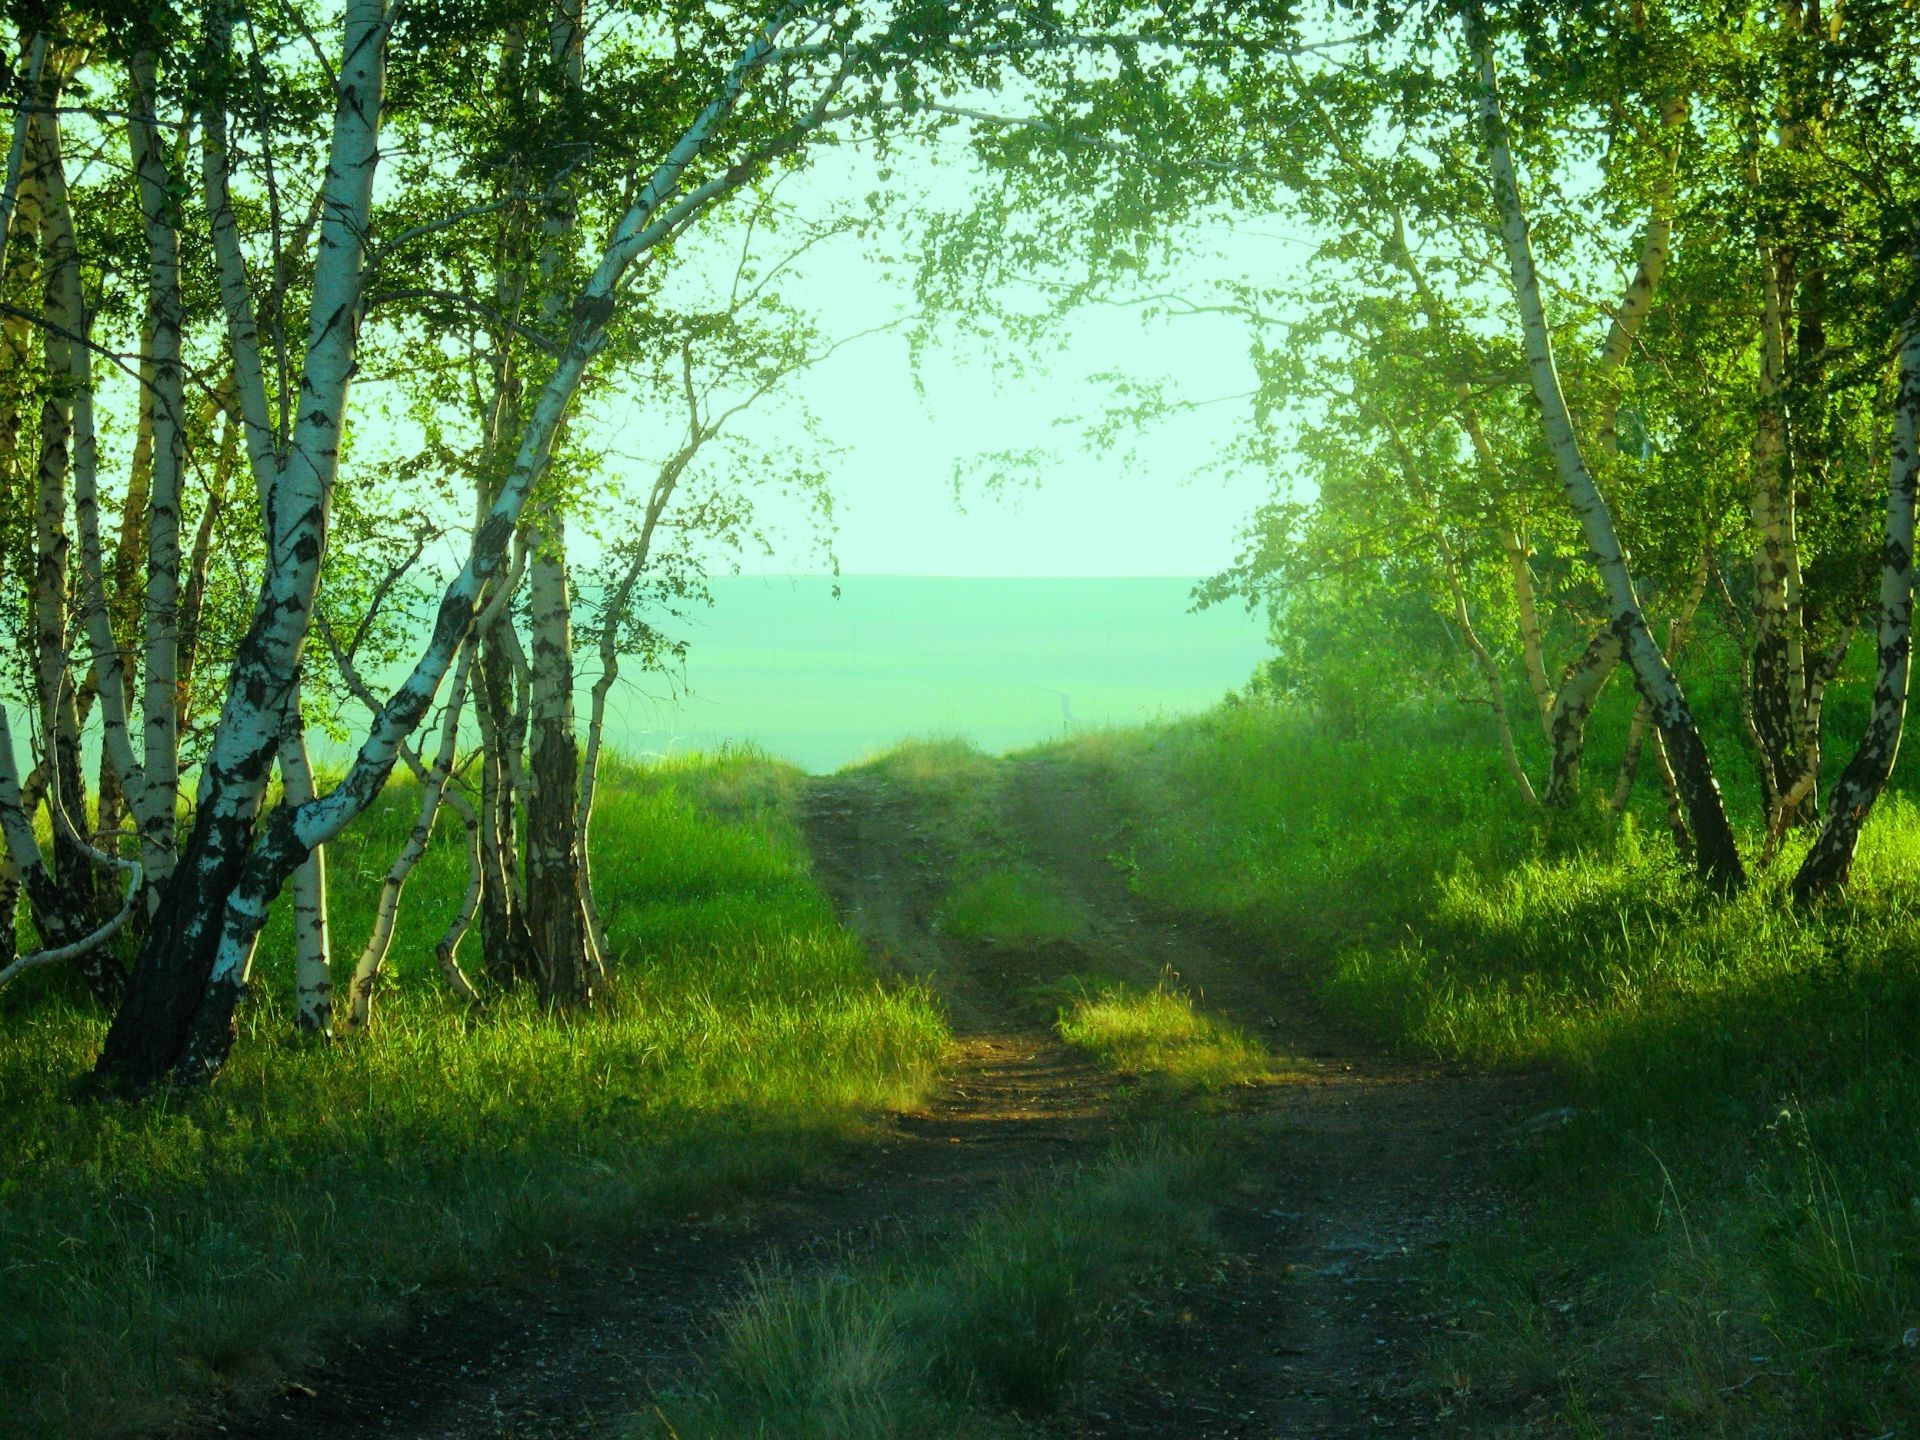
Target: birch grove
{"type": "Point", "coordinates": [315, 320]}
{"type": "Point", "coordinates": [312, 196]}
{"type": "Point", "coordinates": [1506, 466]}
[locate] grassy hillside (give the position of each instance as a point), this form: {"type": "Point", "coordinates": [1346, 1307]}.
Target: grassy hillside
{"type": "Point", "coordinates": [161, 1257]}
{"type": "Point", "coordinates": [1720, 1232]}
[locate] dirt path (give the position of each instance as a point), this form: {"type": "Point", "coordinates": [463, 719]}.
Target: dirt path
{"type": "Point", "coordinates": [1308, 1326]}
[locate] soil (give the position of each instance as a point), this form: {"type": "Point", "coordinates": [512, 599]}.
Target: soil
{"type": "Point", "coordinates": [1311, 1321]}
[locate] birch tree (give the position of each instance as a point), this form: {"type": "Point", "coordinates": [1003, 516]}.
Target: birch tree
{"type": "Point", "coordinates": [784, 77]}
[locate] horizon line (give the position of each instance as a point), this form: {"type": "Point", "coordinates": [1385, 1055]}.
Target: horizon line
{"type": "Point", "coordinates": [921, 575]}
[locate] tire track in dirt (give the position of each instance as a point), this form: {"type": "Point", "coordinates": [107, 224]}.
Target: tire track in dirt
{"type": "Point", "coordinates": [1313, 1323]}
{"type": "Point", "coordinates": [1309, 1324]}
{"type": "Point", "coordinates": [577, 1350]}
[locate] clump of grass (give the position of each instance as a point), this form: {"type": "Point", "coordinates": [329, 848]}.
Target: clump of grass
{"type": "Point", "coordinates": [189, 1250]}
{"type": "Point", "coordinates": [1158, 1032]}
{"type": "Point", "coordinates": [963, 1335]}
{"type": "Point", "coordinates": [1011, 905]}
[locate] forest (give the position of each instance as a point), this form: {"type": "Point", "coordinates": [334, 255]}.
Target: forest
{"type": "Point", "coordinates": [1496, 1017]}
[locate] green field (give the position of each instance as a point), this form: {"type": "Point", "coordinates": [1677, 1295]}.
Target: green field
{"type": "Point", "coordinates": [821, 682]}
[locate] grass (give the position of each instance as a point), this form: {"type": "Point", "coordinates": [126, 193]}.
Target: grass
{"type": "Point", "coordinates": [1011, 905]}
{"type": "Point", "coordinates": [1727, 1236]}
{"type": "Point", "coordinates": [956, 1337]}
{"type": "Point", "coordinates": [1158, 1033]}
{"type": "Point", "coordinates": [995, 894]}
{"type": "Point", "coordinates": [164, 1258]}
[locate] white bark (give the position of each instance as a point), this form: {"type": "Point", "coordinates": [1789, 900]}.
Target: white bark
{"type": "Point", "coordinates": [312, 940]}
{"type": "Point", "coordinates": [17, 143]}
{"type": "Point", "coordinates": [156, 807]}
{"type": "Point", "coordinates": [1717, 851]}
{"type": "Point", "coordinates": [71, 360]}
{"type": "Point", "coordinates": [1830, 860]}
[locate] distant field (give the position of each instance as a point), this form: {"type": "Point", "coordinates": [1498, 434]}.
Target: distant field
{"type": "Point", "coordinates": [821, 682]}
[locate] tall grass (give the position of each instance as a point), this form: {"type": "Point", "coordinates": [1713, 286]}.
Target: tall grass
{"type": "Point", "coordinates": [958, 1336]}
{"type": "Point", "coordinates": [1727, 1235]}
{"type": "Point", "coordinates": [174, 1254]}
{"type": "Point", "coordinates": [1157, 1032]}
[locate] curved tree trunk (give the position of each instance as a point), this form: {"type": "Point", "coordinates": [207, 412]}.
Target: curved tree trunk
{"type": "Point", "coordinates": [1830, 860]}
{"type": "Point", "coordinates": [1717, 854]}
{"type": "Point", "coordinates": [190, 974]}
{"type": "Point", "coordinates": [366, 972]}
{"type": "Point", "coordinates": [1578, 692]}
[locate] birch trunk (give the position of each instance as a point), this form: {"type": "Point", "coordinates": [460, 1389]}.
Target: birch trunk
{"type": "Point", "coordinates": [446, 794]}
{"type": "Point", "coordinates": [66, 908]}
{"type": "Point", "coordinates": [556, 901]}
{"type": "Point", "coordinates": [1677, 628]}
{"type": "Point", "coordinates": [1830, 860]}
{"type": "Point", "coordinates": [312, 939]}
{"type": "Point", "coordinates": [556, 913]}
{"type": "Point", "coordinates": [156, 808]}
{"type": "Point", "coordinates": [366, 972]}
{"type": "Point", "coordinates": [193, 599]}
{"type": "Point", "coordinates": [505, 944]}
{"type": "Point", "coordinates": [1573, 702]}
{"type": "Point", "coordinates": [1777, 667]}
{"type": "Point", "coordinates": [179, 1007]}
{"type": "Point", "coordinates": [1717, 855]}
{"type": "Point", "coordinates": [221, 891]}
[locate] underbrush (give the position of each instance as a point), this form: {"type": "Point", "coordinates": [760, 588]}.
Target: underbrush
{"type": "Point", "coordinates": [956, 1337]}
{"type": "Point", "coordinates": [1725, 1237]}
{"type": "Point", "coordinates": [185, 1251]}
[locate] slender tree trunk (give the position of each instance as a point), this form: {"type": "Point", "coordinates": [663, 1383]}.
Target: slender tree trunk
{"type": "Point", "coordinates": [69, 905]}
{"type": "Point", "coordinates": [1830, 860]}
{"type": "Point", "coordinates": [1776, 668]}
{"type": "Point", "coordinates": [156, 808]}
{"type": "Point", "coordinates": [193, 599]}
{"type": "Point", "coordinates": [1578, 692]}
{"type": "Point", "coordinates": [504, 941]}
{"type": "Point", "coordinates": [431, 779]}
{"type": "Point", "coordinates": [124, 600]}
{"type": "Point", "coordinates": [1677, 629]}
{"type": "Point", "coordinates": [556, 910]}
{"type": "Point", "coordinates": [366, 972]}
{"type": "Point", "coordinates": [556, 882]}
{"type": "Point", "coordinates": [312, 938]}
{"type": "Point", "coordinates": [1717, 854]}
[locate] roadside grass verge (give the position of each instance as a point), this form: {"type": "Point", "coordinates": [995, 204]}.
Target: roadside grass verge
{"type": "Point", "coordinates": [1727, 1233]}
{"type": "Point", "coordinates": [167, 1257]}
{"type": "Point", "coordinates": [957, 1337]}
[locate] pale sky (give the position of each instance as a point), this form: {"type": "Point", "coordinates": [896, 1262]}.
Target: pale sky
{"type": "Point", "coordinates": [1091, 514]}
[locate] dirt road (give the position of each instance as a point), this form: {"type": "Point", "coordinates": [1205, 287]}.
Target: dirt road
{"type": "Point", "coordinates": [1310, 1324]}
